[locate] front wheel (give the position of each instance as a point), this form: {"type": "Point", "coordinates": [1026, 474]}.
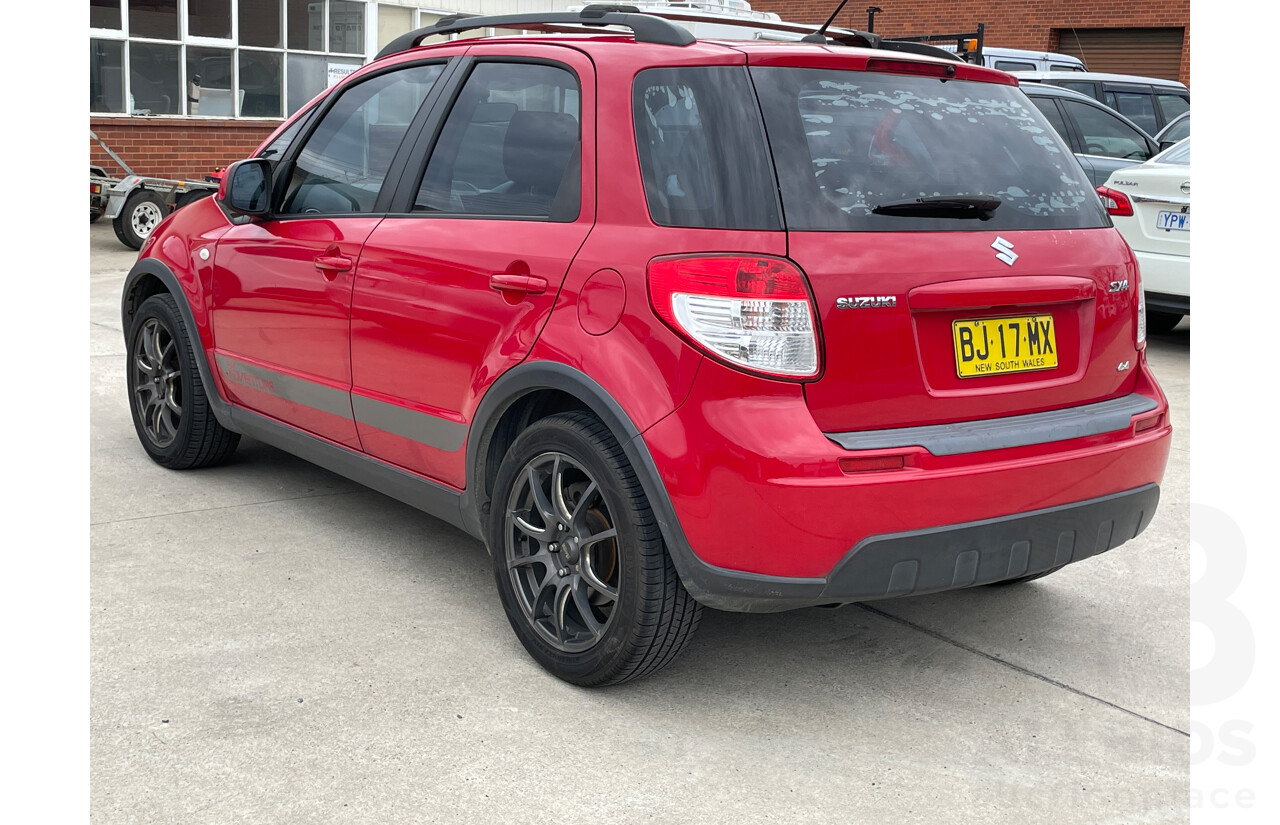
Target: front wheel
{"type": "Point", "coordinates": [579, 561]}
{"type": "Point", "coordinates": [171, 411]}
{"type": "Point", "coordinates": [142, 212]}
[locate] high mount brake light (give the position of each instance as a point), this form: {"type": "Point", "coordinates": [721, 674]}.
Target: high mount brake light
{"type": "Point", "coordinates": [1116, 203]}
{"type": "Point", "coordinates": [750, 310]}
{"type": "Point", "coordinates": [877, 64]}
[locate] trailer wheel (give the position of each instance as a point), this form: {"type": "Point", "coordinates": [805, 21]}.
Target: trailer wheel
{"type": "Point", "coordinates": [142, 212]}
{"type": "Point", "coordinates": [193, 196]}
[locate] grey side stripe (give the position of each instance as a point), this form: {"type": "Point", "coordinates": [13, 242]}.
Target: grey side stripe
{"type": "Point", "coordinates": [298, 390]}
{"type": "Point", "coordinates": [423, 428]}
{"type": "Point", "coordinates": [998, 433]}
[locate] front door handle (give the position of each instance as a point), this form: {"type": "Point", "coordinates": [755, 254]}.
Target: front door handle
{"type": "Point", "coordinates": [528, 284]}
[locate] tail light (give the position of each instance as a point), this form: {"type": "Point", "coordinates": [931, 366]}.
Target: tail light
{"type": "Point", "coordinates": [751, 311]}
{"type": "Point", "coordinates": [1116, 203]}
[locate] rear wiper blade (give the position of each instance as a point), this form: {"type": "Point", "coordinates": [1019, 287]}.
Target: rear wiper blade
{"type": "Point", "coordinates": [942, 206]}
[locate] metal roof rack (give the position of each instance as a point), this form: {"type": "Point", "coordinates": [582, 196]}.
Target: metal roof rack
{"type": "Point", "coordinates": [647, 28]}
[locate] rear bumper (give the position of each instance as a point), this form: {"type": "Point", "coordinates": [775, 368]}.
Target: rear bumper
{"type": "Point", "coordinates": [762, 517]}
{"type": "Point", "coordinates": [1166, 280]}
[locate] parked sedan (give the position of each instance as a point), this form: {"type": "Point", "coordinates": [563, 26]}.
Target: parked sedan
{"type": "Point", "coordinates": [1103, 139]}
{"type": "Point", "coordinates": [1151, 206]}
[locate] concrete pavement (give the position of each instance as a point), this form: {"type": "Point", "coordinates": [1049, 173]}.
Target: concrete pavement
{"type": "Point", "coordinates": [271, 643]}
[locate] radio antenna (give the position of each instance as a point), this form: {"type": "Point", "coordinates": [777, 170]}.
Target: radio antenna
{"type": "Point", "coordinates": [820, 36]}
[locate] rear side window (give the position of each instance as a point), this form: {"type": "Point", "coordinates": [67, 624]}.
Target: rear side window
{"type": "Point", "coordinates": [702, 150]}
{"type": "Point", "coordinates": [1172, 105]}
{"type": "Point", "coordinates": [848, 143]}
{"type": "Point", "coordinates": [1015, 66]}
{"type": "Point", "coordinates": [1140, 107]}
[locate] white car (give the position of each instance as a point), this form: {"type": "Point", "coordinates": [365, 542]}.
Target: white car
{"type": "Point", "coordinates": [1151, 206]}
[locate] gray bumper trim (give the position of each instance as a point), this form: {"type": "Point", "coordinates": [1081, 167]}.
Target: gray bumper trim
{"type": "Point", "coordinates": [998, 433]}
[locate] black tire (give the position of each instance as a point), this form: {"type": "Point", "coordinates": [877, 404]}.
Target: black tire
{"type": "Point", "coordinates": [1162, 323]}
{"type": "Point", "coordinates": [1023, 579]}
{"type": "Point", "coordinates": [142, 211]}
{"type": "Point", "coordinates": [609, 559]}
{"type": "Point", "coordinates": [193, 196]}
{"type": "Point", "coordinates": [170, 409]}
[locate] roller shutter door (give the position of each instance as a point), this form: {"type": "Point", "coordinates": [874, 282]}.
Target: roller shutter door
{"type": "Point", "coordinates": [1150, 52]}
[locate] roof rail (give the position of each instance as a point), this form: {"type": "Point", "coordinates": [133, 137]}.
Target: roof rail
{"type": "Point", "coordinates": [647, 29]}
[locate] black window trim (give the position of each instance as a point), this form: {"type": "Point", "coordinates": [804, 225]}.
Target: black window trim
{"type": "Point", "coordinates": [401, 200]}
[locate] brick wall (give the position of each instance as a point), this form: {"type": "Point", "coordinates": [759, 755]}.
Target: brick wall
{"type": "Point", "coordinates": [174, 148]}
{"type": "Point", "coordinates": [1016, 24]}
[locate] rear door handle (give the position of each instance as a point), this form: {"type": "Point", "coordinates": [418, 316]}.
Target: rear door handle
{"type": "Point", "coordinates": [528, 284]}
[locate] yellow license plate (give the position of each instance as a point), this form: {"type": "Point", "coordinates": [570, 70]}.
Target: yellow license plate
{"type": "Point", "coordinates": [995, 346]}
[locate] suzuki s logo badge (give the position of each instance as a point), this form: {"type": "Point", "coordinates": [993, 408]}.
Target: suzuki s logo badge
{"type": "Point", "coordinates": [1119, 286]}
{"type": "Point", "coordinates": [866, 301]}
{"type": "Point", "coordinates": [1004, 251]}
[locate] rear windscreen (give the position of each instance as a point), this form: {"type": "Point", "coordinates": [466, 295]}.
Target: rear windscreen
{"type": "Point", "coordinates": [845, 143]}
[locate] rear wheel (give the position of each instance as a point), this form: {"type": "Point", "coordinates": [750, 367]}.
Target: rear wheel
{"type": "Point", "coordinates": [171, 411]}
{"type": "Point", "coordinates": [1160, 323]}
{"type": "Point", "coordinates": [142, 212]}
{"type": "Point", "coordinates": [580, 565]}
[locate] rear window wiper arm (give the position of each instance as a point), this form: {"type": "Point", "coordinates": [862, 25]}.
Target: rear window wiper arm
{"type": "Point", "coordinates": [941, 206]}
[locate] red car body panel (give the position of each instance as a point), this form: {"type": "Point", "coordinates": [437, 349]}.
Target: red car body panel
{"type": "Point", "coordinates": [746, 461]}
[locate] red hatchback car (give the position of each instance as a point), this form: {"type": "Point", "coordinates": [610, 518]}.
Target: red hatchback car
{"type": "Point", "coordinates": [670, 324]}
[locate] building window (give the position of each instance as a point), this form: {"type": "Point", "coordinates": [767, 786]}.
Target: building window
{"type": "Point", "coordinates": [260, 24]}
{"type": "Point", "coordinates": [393, 21]}
{"type": "Point", "coordinates": [225, 58]}
{"type": "Point", "coordinates": [106, 76]}
{"type": "Point", "coordinates": [104, 14]}
{"type": "Point", "coordinates": [154, 18]}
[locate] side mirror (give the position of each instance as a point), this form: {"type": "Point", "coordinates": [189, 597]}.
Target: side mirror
{"type": "Point", "coordinates": [245, 188]}
{"type": "Point", "coordinates": [1165, 144]}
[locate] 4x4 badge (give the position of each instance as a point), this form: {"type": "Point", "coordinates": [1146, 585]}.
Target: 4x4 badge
{"type": "Point", "coordinates": [1004, 250]}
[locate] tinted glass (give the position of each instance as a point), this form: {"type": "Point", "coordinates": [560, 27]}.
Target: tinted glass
{"type": "Point", "coordinates": [341, 167]}
{"type": "Point", "coordinates": [1178, 130]}
{"type": "Point", "coordinates": [1049, 109]}
{"type": "Point", "coordinates": [260, 76]}
{"type": "Point", "coordinates": [209, 82]}
{"type": "Point", "coordinates": [1015, 66]}
{"type": "Point", "coordinates": [1139, 107]}
{"type": "Point", "coordinates": [1083, 87]}
{"type": "Point", "coordinates": [104, 14]}
{"type": "Point", "coordinates": [510, 146]}
{"type": "Point", "coordinates": [209, 18]}
{"type": "Point", "coordinates": [153, 79]}
{"type": "Point", "coordinates": [1105, 134]}
{"type": "Point", "coordinates": [154, 18]}
{"type": "Point", "coordinates": [702, 150]}
{"type": "Point", "coordinates": [847, 142]}
{"type": "Point", "coordinates": [106, 76]}
{"type": "Point", "coordinates": [260, 23]}
{"type": "Point", "coordinates": [1172, 105]}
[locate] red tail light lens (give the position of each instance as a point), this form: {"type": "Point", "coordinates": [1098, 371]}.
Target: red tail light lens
{"type": "Point", "coordinates": [1117, 203]}
{"type": "Point", "coordinates": [752, 311]}
{"type": "Point", "coordinates": [877, 64]}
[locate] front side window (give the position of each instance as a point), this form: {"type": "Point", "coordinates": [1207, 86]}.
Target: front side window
{"type": "Point", "coordinates": [509, 147]}
{"type": "Point", "coordinates": [341, 167]}
{"type": "Point", "coordinates": [859, 151]}
{"type": "Point", "coordinates": [1105, 134]}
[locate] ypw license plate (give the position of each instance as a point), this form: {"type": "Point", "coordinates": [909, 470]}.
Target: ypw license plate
{"type": "Point", "coordinates": [994, 346]}
{"type": "Point", "coordinates": [1180, 221]}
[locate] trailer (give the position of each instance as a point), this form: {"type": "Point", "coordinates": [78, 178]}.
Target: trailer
{"type": "Point", "coordinates": [137, 203]}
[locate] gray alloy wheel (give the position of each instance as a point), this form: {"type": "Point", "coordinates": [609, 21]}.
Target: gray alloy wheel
{"type": "Point", "coordinates": [561, 552]}
{"type": "Point", "coordinates": [170, 409]}
{"type": "Point", "coordinates": [579, 560]}
{"type": "Point", "coordinates": [157, 382]}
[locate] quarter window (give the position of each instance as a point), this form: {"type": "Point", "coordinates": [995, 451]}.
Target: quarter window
{"type": "Point", "coordinates": [1138, 107]}
{"type": "Point", "coordinates": [342, 165]}
{"type": "Point", "coordinates": [510, 146]}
